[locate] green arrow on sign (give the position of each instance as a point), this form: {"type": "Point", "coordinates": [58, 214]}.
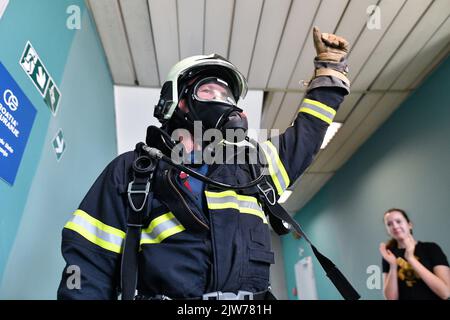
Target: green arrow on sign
{"type": "Point", "coordinates": [40, 77]}
{"type": "Point", "coordinates": [52, 96]}
{"type": "Point", "coordinates": [35, 69]}
{"type": "Point", "coordinates": [59, 145]}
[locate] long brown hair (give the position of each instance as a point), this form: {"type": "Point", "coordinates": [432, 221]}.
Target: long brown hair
{"type": "Point", "coordinates": [392, 243]}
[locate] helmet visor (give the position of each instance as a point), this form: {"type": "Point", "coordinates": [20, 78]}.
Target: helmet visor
{"type": "Point", "coordinates": [213, 90]}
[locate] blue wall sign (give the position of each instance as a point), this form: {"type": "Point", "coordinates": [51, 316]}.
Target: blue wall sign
{"type": "Point", "coordinates": [16, 120]}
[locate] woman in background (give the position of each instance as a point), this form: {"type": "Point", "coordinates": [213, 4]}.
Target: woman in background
{"type": "Point", "coordinates": [412, 270]}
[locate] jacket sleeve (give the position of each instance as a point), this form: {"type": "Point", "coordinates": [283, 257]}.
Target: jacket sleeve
{"type": "Point", "coordinates": [92, 238]}
{"type": "Point", "coordinates": [293, 151]}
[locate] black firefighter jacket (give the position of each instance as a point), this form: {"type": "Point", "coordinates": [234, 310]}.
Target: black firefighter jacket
{"type": "Point", "coordinates": [186, 251]}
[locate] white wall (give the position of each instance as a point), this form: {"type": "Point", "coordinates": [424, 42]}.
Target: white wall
{"type": "Point", "coordinates": [134, 113]}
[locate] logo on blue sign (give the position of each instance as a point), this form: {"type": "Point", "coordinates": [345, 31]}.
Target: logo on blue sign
{"type": "Point", "coordinates": [16, 120]}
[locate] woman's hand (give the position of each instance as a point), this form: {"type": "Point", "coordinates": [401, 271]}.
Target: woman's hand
{"type": "Point", "coordinates": [410, 245]}
{"type": "Point", "coordinates": [387, 254]}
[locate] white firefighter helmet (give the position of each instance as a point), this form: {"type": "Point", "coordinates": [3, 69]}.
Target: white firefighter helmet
{"type": "Point", "coordinates": [189, 68]}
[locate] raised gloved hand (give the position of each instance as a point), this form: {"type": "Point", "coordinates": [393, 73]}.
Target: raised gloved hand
{"type": "Point", "coordinates": [329, 47]}
{"type": "Point", "coordinates": [331, 61]}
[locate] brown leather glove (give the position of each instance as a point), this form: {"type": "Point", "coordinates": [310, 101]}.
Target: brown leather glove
{"type": "Point", "coordinates": [330, 62]}
{"type": "Point", "coordinates": [329, 47]}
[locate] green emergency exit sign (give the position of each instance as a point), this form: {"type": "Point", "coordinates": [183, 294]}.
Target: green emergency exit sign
{"type": "Point", "coordinates": [36, 71]}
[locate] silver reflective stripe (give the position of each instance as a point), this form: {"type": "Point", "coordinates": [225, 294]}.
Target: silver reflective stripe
{"type": "Point", "coordinates": [97, 232]}
{"type": "Point", "coordinates": [240, 203]}
{"type": "Point", "coordinates": [160, 228]}
{"type": "Point", "coordinates": [231, 200]}
{"type": "Point", "coordinates": [276, 169]}
{"type": "Point", "coordinates": [318, 110]}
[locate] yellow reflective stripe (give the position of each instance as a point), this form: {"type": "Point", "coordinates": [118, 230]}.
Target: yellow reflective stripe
{"type": "Point", "coordinates": [95, 231]}
{"type": "Point", "coordinates": [316, 114]}
{"type": "Point", "coordinates": [272, 172]}
{"type": "Point", "coordinates": [223, 205]}
{"type": "Point", "coordinates": [235, 205]}
{"type": "Point", "coordinates": [321, 105]}
{"type": "Point", "coordinates": [161, 228]}
{"type": "Point", "coordinates": [230, 193]}
{"type": "Point", "coordinates": [280, 165]}
{"type": "Point", "coordinates": [165, 234]}
{"type": "Point", "coordinates": [157, 221]}
{"type": "Point", "coordinates": [254, 212]}
{"type": "Point", "coordinates": [318, 110]}
{"type": "Point", "coordinates": [93, 238]}
{"type": "Point", "coordinates": [276, 167]}
{"type": "Point", "coordinates": [98, 224]}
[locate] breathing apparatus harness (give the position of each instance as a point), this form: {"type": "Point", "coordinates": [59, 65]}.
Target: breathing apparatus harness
{"type": "Point", "coordinates": [140, 193]}
{"type": "Point", "coordinates": [227, 116]}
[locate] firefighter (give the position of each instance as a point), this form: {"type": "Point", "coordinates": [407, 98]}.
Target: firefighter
{"type": "Point", "coordinates": [197, 239]}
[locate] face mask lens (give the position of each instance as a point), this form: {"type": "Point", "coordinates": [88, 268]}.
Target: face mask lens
{"type": "Point", "coordinates": [214, 90]}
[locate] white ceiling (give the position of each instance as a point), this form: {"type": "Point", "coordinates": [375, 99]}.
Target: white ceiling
{"type": "Point", "coordinates": [270, 42]}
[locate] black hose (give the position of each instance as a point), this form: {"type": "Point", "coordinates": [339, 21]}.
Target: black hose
{"type": "Point", "coordinates": [157, 154]}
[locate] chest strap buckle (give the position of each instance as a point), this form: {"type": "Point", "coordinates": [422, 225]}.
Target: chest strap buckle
{"type": "Point", "coordinates": [138, 188]}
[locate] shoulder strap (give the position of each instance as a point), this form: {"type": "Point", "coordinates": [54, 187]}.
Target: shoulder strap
{"type": "Point", "coordinates": [278, 215]}
{"type": "Point", "coordinates": [337, 278]}
{"type": "Point", "coordinates": [139, 196]}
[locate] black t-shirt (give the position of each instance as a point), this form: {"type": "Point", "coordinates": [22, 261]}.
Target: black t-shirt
{"type": "Point", "coordinates": [410, 286]}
